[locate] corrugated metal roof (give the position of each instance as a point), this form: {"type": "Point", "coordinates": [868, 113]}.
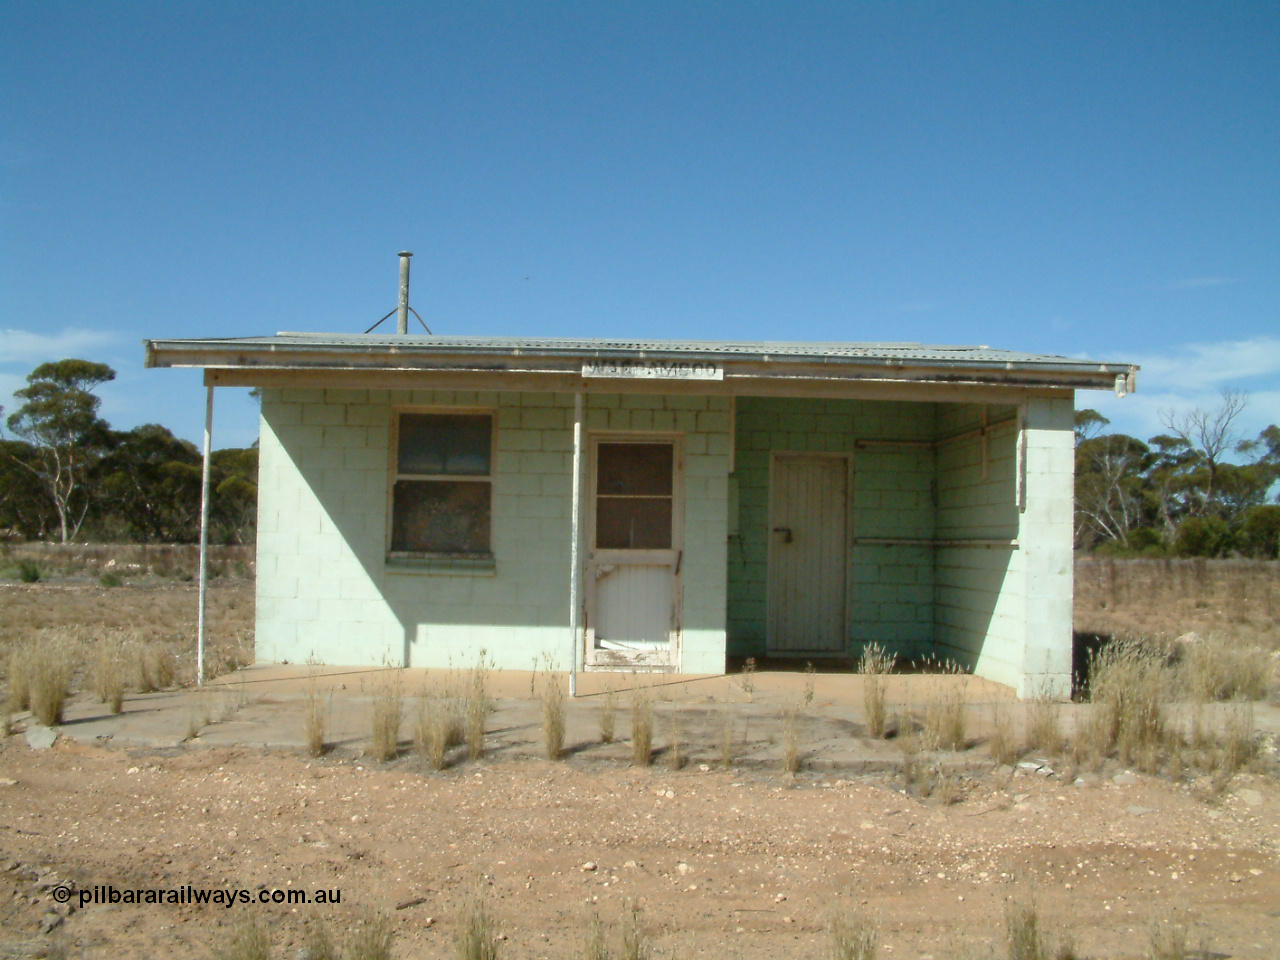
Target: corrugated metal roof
{"type": "Point", "coordinates": [875, 352]}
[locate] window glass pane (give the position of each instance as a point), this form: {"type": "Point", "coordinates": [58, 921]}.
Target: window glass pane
{"type": "Point", "coordinates": [635, 468]}
{"type": "Point", "coordinates": [624, 523]}
{"type": "Point", "coordinates": [447, 443]}
{"type": "Point", "coordinates": [440, 516]}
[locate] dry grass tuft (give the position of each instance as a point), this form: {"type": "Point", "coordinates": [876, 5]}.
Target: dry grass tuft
{"type": "Point", "coordinates": [1239, 743]}
{"type": "Point", "coordinates": [1044, 724]}
{"type": "Point", "coordinates": [1002, 743]}
{"type": "Point", "coordinates": [727, 741]}
{"type": "Point", "coordinates": [947, 788]}
{"type": "Point", "coordinates": [596, 944]}
{"type": "Point", "coordinates": [608, 717]}
{"type": "Point", "coordinates": [945, 720]}
{"type": "Point", "coordinates": [675, 739]}
{"type": "Point", "coordinates": [791, 739]}
{"type": "Point", "coordinates": [371, 938]}
{"type": "Point", "coordinates": [1023, 936]}
{"type": "Point", "coordinates": [476, 938]}
{"type": "Point", "coordinates": [1216, 669]}
{"type": "Point", "coordinates": [635, 936]}
{"type": "Point", "coordinates": [388, 710]}
{"type": "Point", "coordinates": [438, 727]}
{"type": "Point", "coordinates": [875, 665]}
{"type": "Point", "coordinates": [153, 667]}
{"type": "Point", "coordinates": [1169, 941]}
{"type": "Point", "coordinates": [552, 715]}
{"type": "Point", "coordinates": [49, 670]}
{"type": "Point", "coordinates": [852, 936]}
{"type": "Point", "coordinates": [107, 674]}
{"type": "Point", "coordinates": [1091, 741]}
{"type": "Point", "coordinates": [1129, 683]}
{"type": "Point", "coordinates": [315, 720]}
{"type": "Point", "coordinates": [317, 942]}
{"type": "Point", "coordinates": [19, 671]}
{"type": "Point", "coordinates": [476, 705]}
{"type": "Point", "coordinates": [248, 941]}
{"type": "Point", "coordinates": [641, 727]}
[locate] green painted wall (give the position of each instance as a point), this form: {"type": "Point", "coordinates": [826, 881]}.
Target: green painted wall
{"type": "Point", "coordinates": [891, 587]}
{"type": "Point", "coordinates": [326, 590]}
{"type": "Point", "coordinates": [979, 604]}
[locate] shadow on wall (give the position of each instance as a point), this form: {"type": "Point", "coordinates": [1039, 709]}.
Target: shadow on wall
{"type": "Point", "coordinates": [350, 607]}
{"type": "Point", "coordinates": [952, 480]}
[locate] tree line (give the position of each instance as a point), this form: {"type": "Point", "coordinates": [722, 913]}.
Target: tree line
{"type": "Point", "coordinates": [1197, 490]}
{"type": "Point", "coordinates": [65, 474]}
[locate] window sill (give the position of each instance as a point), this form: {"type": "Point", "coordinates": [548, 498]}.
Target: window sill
{"type": "Point", "coordinates": [473, 566]}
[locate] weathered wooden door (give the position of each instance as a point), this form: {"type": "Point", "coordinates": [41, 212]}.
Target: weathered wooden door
{"type": "Point", "coordinates": [632, 570]}
{"type": "Point", "coordinates": [808, 553]}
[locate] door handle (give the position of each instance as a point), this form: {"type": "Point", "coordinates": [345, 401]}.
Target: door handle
{"type": "Point", "coordinates": [786, 533]}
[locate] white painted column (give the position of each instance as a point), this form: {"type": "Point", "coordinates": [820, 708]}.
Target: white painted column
{"type": "Point", "coordinates": [204, 535]}
{"type": "Point", "coordinates": [1045, 537]}
{"type": "Point", "coordinates": [575, 538]}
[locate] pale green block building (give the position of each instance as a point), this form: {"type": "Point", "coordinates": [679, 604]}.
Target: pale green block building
{"type": "Point", "coordinates": [659, 506]}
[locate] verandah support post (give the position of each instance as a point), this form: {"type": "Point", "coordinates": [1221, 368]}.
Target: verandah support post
{"type": "Point", "coordinates": [204, 535]}
{"type": "Point", "coordinates": [575, 572]}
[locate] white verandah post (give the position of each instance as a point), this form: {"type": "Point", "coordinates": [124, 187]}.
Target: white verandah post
{"type": "Point", "coordinates": [575, 522]}
{"type": "Point", "coordinates": [204, 536]}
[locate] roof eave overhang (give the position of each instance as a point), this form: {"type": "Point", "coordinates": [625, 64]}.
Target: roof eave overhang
{"type": "Point", "coordinates": [223, 355]}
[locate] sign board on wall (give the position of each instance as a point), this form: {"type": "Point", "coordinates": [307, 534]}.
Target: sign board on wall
{"type": "Point", "coordinates": [653, 369]}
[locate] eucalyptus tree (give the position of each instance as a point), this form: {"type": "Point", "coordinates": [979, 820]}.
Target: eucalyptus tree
{"type": "Point", "coordinates": [59, 419]}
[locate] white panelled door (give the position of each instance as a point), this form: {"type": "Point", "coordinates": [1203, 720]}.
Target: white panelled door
{"type": "Point", "coordinates": [808, 553]}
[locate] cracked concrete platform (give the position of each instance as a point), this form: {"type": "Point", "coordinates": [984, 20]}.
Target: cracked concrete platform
{"type": "Point", "coordinates": [264, 706]}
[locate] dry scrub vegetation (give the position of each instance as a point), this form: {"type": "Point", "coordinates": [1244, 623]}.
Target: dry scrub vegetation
{"type": "Point", "coordinates": [1165, 599]}
{"type": "Point", "coordinates": [58, 638]}
{"type": "Point", "coordinates": [123, 562]}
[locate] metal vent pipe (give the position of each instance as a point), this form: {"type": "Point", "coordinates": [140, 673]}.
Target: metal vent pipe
{"type": "Point", "coordinates": [402, 311]}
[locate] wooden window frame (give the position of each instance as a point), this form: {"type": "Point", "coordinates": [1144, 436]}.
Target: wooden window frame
{"type": "Point", "coordinates": [394, 475]}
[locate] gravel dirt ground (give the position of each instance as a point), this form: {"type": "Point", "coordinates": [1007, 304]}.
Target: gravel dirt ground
{"type": "Point", "coordinates": [750, 863]}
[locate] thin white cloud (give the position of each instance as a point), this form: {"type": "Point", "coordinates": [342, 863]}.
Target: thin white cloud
{"type": "Point", "coordinates": [1139, 414]}
{"type": "Point", "coordinates": [1198, 367]}
{"type": "Point", "coordinates": [29, 346]}
{"type": "Point", "coordinates": [1194, 376]}
{"type": "Point", "coordinates": [1200, 283]}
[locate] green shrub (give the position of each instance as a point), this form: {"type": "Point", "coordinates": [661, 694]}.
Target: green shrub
{"type": "Point", "coordinates": [27, 571]}
{"type": "Point", "coordinates": [1202, 537]}
{"type": "Point", "coordinates": [111, 580]}
{"type": "Point", "coordinates": [1260, 532]}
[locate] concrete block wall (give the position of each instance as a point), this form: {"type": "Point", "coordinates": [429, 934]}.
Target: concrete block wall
{"type": "Point", "coordinates": [1046, 548]}
{"type": "Point", "coordinates": [978, 599]}
{"type": "Point", "coordinates": [890, 587]}
{"type": "Point", "coordinates": [1007, 612]}
{"type": "Point", "coordinates": [326, 590]}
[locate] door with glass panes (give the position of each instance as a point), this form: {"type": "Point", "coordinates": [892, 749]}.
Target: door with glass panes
{"type": "Point", "coordinates": [634, 551]}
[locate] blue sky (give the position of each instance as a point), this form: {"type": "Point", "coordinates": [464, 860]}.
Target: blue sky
{"type": "Point", "coordinates": [1074, 178]}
